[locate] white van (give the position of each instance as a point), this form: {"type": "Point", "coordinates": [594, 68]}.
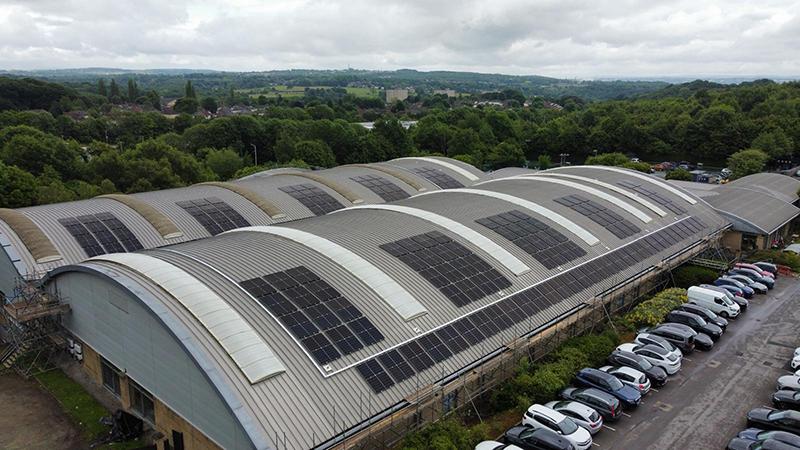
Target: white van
{"type": "Point", "coordinates": [713, 300]}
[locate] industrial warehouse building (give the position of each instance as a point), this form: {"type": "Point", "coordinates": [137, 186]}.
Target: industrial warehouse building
{"type": "Point", "coordinates": [320, 331]}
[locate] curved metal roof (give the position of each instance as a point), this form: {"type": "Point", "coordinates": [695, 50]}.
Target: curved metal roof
{"type": "Point", "coordinates": [356, 238]}
{"type": "Point", "coordinates": [782, 187]}
{"type": "Point", "coordinates": [165, 217]}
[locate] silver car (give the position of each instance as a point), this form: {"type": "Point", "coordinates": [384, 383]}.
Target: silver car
{"type": "Point", "coordinates": [630, 376]}
{"type": "Point", "coordinates": [656, 355]}
{"type": "Point", "coordinates": [654, 339]}
{"type": "Point", "coordinates": [755, 285]}
{"type": "Point", "coordinates": [789, 382]}
{"type": "Point", "coordinates": [581, 414]}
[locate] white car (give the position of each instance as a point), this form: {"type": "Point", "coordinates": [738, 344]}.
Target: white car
{"type": "Point", "coordinates": [583, 415]}
{"type": "Point", "coordinates": [630, 376]}
{"type": "Point", "coordinates": [796, 358]}
{"type": "Point", "coordinates": [494, 445]}
{"type": "Point", "coordinates": [540, 416]}
{"type": "Point", "coordinates": [657, 356]}
{"type": "Point", "coordinates": [789, 382]}
{"type": "Point", "coordinates": [654, 339]}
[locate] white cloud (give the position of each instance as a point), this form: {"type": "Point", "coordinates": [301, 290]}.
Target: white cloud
{"type": "Point", "coordinates": [565, 38]}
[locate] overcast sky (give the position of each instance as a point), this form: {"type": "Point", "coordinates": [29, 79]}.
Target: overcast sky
{"type": "Point", "coordinates": [563, 38]}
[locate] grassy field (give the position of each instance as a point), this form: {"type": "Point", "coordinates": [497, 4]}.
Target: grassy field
{"type": "Point", "coordinates": [299, 91]}
{"type": "Point", "coordinates": [84, 410]}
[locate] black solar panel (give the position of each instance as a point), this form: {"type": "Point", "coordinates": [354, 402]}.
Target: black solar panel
{"type": "Point", "coordinates": [324, 321]}
{"type": "Point", "coordinates": [652, 195]}
{"type": "Point", "coordinates": [101, 233]}
{"type": "Point", "coordinates": [213, 214]}
{"type": "Point", "coordinates": [438, 177]}
{"type": "Point", "coordinates": [315, 199]}
{"type": "Point", "coordinates": [425, 351]}
{"type": "Point", "coordinates": [462, 276]}
{"type": "Point", "coordinates": [611, 221]}
{"type": "Point", "coordinates": [387, 190]}
{"type": "Point", "coordinates": [539, 240]}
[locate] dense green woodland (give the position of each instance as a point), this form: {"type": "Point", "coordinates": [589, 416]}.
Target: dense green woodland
{"type": "Point", "coordinates": [47, 156]}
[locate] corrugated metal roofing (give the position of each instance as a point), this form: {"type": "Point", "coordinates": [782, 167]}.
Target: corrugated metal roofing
{"type": "Point", "coordinates": [290, 403]}
{"type": "Point", "coordinates": [752, 210]}
{"type": "Point", "coordinates": [782, 187]}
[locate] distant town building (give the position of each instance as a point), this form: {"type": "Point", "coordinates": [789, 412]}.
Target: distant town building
{"type": "Point", "coordinates": [405, 123]}
{"type": "Point", "coordinates": [393, 95]}
{"type": "Point", "coordinates": [551, 105]}
{"type": "Point", "coordinates": [447, 92]}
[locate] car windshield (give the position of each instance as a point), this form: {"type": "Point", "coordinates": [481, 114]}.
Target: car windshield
{"type": "Point", "coordinates": [614, 383]}
{"type": "Point", "coordinates": [527, 433]}
{"type": "Point", "coordinates": [567, 426]}
{"type": "Point", "coordinates": [645, 364]}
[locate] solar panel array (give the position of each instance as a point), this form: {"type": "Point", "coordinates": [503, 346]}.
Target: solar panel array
{"type": "Point", "coordinates": [608, 219]}
{"type": "Point", "coordinates": [214, 214]}
{"type": "Point", "coordinates": [652, 195]}
{"type": "Point", "coordinates": [387, 190]}
{"type": "Point", "coordinates": [101, 233]}
{"type": "Point", "coordinates": [326, 323]}
{"type": "Point", "coordinates": [544, 243]}
{"type": "Point", "coordinates": [462, 276]}
{"type": "Point", "coordinates": [436, 346]}
{"type": "Point", "coordinates": [315, 199]}
{"type": "Point", "coordinates": [438, 177]}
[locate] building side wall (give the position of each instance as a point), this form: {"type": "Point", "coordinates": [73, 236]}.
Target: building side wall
{"type": "Point", "coordinates": [732, 240]}
{"type": "Point", "coordinates": [110, 322]}
{"type": "Point", "coordinates": [8, 274]}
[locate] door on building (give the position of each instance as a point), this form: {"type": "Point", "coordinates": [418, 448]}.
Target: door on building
{"type": "Point", "coordinates": [177, 440]}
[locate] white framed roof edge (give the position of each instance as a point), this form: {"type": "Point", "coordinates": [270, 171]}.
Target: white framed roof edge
{"type": "Point", "coordinates": [461, 171]}
{"type": "Point", "coordinates": [498, 253]}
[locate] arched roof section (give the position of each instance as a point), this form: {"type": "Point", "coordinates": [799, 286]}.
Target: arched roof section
{"type": "Point", "coordinates": [35, 241]}
{"type": "Point", "coordinates": [467, 172]}
{"type": "Point", "coordinates": [160, 222]}
{"type": "Point", "coordinates": [265, 205]}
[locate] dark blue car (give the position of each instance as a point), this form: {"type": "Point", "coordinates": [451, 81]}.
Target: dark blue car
{"type": "Point", "coordinates": [628, 396]}
{"type": "Point", "coordinates": [747, 290]}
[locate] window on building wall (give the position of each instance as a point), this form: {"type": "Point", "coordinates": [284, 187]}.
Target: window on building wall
{"type": "Point", "coordinates": [177, 440]}
{"type": "Point", "coordinates": [110, 375]}
{"type": "Point", "coordinates": [749, 241]}
{"type": "Point", "coordinates": [142, 402]}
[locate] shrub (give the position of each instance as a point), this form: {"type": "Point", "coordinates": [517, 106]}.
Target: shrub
{"type": "Point", "coordinates": [686, 276]}
{"type": "Point", "coordinates": [778, 257]}
{"type": "Point", "coordinates": [679, 174]}
{"type": "Point", "coordinates": [651, 312]}
{"type": "Point", "coordinates": [449, 434]}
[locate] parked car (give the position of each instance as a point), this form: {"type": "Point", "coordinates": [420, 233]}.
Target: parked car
{"type": "Point", "coordinates": [701, 340]}
{"type": "Point", "coordinates": [494, 445]}
{"type": "Point", "coordinates": [791, 382]}
{"type": "Point", "coordinates": [645, 338]}
{"type": "Point", "coordinates": [684, 340]}
{"type": "Point", "coordinates": [749, 282]}
{"type": "Point", "coordinates": [795, 362]}
{"type": "Point", "coordinates": [774, 419]}
{"type": "Point", "coordinates": [583, 415]}
{"type": "Point", "coordinates": [726, 281]}
{"type": "Point", "coordinates": [528, 438]}
{"type": "Point", "coordinates": [735, 294]}
{"type": "Point", "coordinates": [539, 416]}
{"type": "Point", "coordinates": [717, 302]}
{"type": "Point", "coordinates": [657, 356]}
{"type": "Point", "coordinates": [753, 275]}
{"type": "Point", "coordinates": [629, 376]}
{"type": "Point", "coordinates": [705, 313]}
{"type": "Point", "coordinates": [695, 322]}
{"type": "Point", "coordinates": [657, 375]}
{"type": "Point", "coordinates": [786, 399]}
{"type": "Point", "coordinates": [755, 268]}
{"type": "Point", "coordinates": [605, 404]}
{"type": "Point", "coordinates": [757, 434]}
{"type": "Point", "coordinates": [589, 377]}
{"type": "Point", "coordinates": [769, 444]}
{"type": "Point", "coordinates": [768, 266]}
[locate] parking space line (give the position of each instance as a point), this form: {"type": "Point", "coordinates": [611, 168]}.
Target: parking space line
{"type": "Point", "coordinates": [625, 414]}
{"type": "Point", "coordinates": [687, 359]}
{"type": "Point", "coordinates": [609, 428]}
{"type": "Point", "coordinates": [595, 444]}
{"type": "Point", "coordinates": [654, 389]}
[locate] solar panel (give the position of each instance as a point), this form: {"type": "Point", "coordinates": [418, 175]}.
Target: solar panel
{"type": "Point", "coordinates": [652, 195]}
{"type": "Point", "coordinates": [461, 275]}
{"type": "Point", "coordinates": [438, 177]}
{"type": "Point", "coordinates": [315, 199]}
{"type": "Point", "coordinates": [385, 189]}
{"type": "Point", "coordinates": [544, 243]}
{"type": "Point", "coordinates": [611, 221]}
{"type": "Point", "coordinates": [101, 233]}
{"type": "Point", "coordinates": [326, 323]}
{"type": "Point", "coordinates": [434, 347]}
{"type": "Point", "coordinates": [213, 214]}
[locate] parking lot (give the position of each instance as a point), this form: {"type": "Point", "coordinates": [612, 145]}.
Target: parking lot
{"type": "Point", "coordinates": [704, 405]}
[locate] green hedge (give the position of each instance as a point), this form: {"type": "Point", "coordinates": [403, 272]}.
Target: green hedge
{"type": "Point", "coordinates": [686, 276]}
{"type": "Point", "coordinates": [778, 257]}
{"type": "Point", "coordinates": [449, 434]}
{"type": "Point", "coordinates": [651, 312]}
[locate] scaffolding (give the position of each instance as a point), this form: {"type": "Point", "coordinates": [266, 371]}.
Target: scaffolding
{"type": "Point", "coordinates": [30, 327]}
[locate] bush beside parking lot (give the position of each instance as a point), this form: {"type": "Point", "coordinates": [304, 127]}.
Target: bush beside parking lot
{"type": "Point", "coordinates": [650, 313]}
{"type": "Point", "coordinates": [686, 276]}
{"type": "Point", "coordinates": [778, 257]}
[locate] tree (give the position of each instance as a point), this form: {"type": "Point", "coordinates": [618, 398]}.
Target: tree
{"type": "Point", "coordinates": [679, 174]}
{"type": "Point", "coordinates": [315, 153]}
{"type": "Point", "coordinates": [775, 143]}
{"type": "Point", "coordinates": [186, 105]}
{"type": "Point", "coordinates": [101, 87]}
{"type": "Point", "coordinates": [505, 154]}
{"type": "Point", "coordinates": [133, 90]}
{"type": "Point", "coordinates": [189, 90]}
{"type": "Point", "coordinates": [544, 162]}
{"type": "Point", "coordinates": [17, 187]}
{"type": "Point", "coordinates": [114, 95]}
{"type": "Point", "coordinates": [224, 163]}
{"type": "Point", "coordinates": [746, 162]}
{"type": "Point", "coordinates": [209, 104]}
{"type": "Point", "coordinates": [608, 159]}
{"type": "Point", "coordinates": [154, 100]}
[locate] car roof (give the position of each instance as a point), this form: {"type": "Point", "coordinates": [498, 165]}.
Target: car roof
{"type": "Point", "coordinates": [547, 412]}
{"type": "Point", "coordinates": [627, 347]}
{"type": "Point", "coordinates": [571, 405]}
{"type": "Point", "coordinates": [629, 370]}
